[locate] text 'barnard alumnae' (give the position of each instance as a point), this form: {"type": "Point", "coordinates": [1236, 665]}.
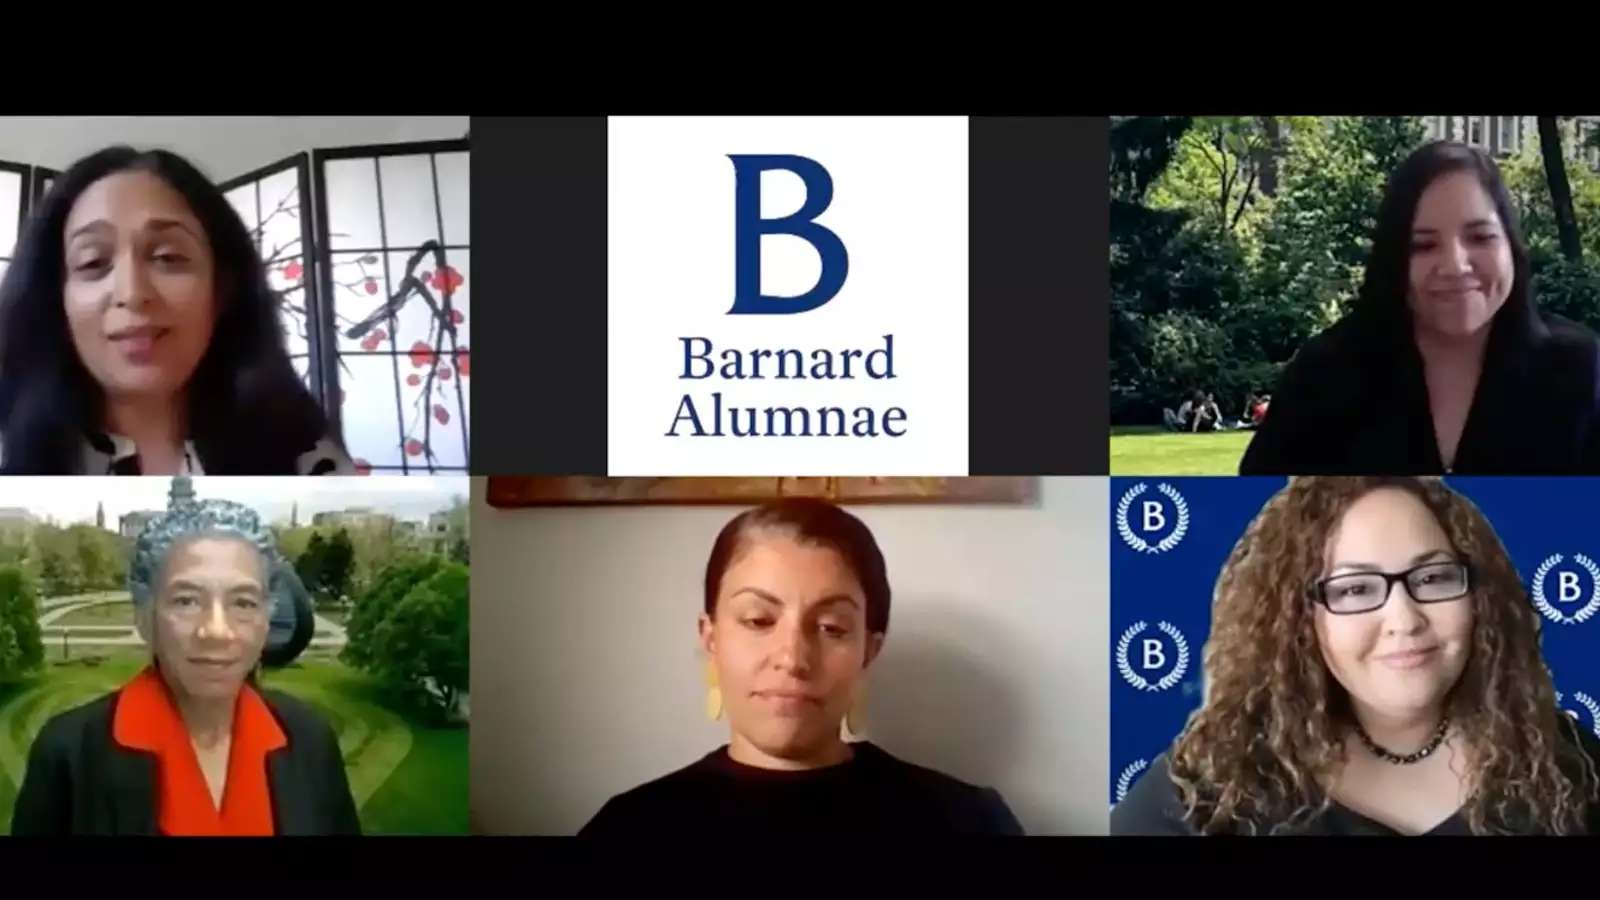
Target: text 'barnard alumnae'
{"type": "Point", "coordinates": [718, 416]}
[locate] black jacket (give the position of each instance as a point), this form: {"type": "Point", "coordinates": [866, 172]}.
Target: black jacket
{"type": "Point", "coordinates": [1354, 401]}
{"type": "Point", "coordinates": [80, 781]}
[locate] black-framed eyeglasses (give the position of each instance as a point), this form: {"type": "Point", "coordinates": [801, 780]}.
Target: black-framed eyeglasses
{"type": "Point", "coordinates": [1359, 592]}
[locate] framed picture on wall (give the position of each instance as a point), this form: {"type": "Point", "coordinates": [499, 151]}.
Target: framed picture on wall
{"type": "Point", "coordinates": [520, 491]}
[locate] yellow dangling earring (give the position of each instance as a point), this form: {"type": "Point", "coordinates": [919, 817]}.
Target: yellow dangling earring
{"type": "Point", "coordinates": [713, 693]}
{"type": "Point", "coordinates": [855, 721]}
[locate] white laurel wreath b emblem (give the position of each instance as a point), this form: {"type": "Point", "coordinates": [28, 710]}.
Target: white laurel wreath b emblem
{"type": "Point", "coordinates": [1589, 703]}
{"type": "Point", "coordinates": [1139, 544]}
{"type": "Point", "coordinates": [1125, 780]}
{"type": "Point", "coordinates": [1166, 681]}
{"type": "Point", "coordinates": [1542, 603]}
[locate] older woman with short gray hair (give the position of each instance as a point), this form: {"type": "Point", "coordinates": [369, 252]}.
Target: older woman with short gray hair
{"type": "Point", "coordinates": [192, 745]}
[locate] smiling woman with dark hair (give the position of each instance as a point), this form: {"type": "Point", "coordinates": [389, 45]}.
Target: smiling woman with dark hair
{"type": "Point", "coordinates": [796, 610]}
{"type": "Point", "coordinates": [139, 335]}
{"type": "Point", "coordinates": [1446, 364]}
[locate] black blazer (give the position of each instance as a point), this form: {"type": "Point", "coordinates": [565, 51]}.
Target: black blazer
{"type": "Point", "coordinates": [1354, 401]}
{"type": "Point", "coordinates": [81, 781]}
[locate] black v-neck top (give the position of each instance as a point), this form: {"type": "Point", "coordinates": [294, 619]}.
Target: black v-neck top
{"type": "Point", "coordinates": [873, 792]}
{"type": "Point", "coordinates": [1354, 401]}
{"type": "Point", "coordinates": [1154, 807]}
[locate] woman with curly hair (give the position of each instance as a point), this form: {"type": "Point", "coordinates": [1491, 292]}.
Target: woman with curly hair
{"type": "Point", "coordinates": [1373, 668]}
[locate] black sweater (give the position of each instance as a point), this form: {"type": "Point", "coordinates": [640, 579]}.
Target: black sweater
{"type": "Point", "coordinates": [873, 792]}
{"type": "Point", "coordinates": [1354, 401]}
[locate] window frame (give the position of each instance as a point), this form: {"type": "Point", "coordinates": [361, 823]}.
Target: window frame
{"type": "Point", "coordinates": [300, 163]}
{"type": "Point", "coordinates": [29, 194]}
{"type": "Point", "coordinates": [24, 194]}
{"type": "Point", "coordinates": [36, 189]}
{"type": "Point", "coordinates": [328, 323]}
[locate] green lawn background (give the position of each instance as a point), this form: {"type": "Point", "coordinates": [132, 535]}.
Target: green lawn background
{"type": "Point", "coordinates": [1151, 450]}
{"type": "Point", "coordinates": [114, 613]}
{"type": "Point", "coordinates": [407, 777]}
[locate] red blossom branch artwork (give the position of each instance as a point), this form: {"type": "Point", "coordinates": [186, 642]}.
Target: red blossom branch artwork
{"type": "Point", "coordinates": [429, 354]}
{"type": "Point", "coordinates": [360, 275]}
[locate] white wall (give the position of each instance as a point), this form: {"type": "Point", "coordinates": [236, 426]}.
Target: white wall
{"type": "Point", "coordinates": [223, 147]}
{"type": "Point", "coordinates": [587, 679]}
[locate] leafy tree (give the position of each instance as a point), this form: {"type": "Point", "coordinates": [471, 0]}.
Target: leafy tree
{"type": "Point", "coordinates": [312, 563]}
{"type": "Point", "coordinates": [1163, 256]}
{"type": "Point", "coordinates": [1529, 187]}
{"type": "Point", "coordinates": [422, 644]}
{"type": "Point", "coordinates": [1141, 148]}
{"type": "Point", "coordinates": [1253, 239]}
{"type": "Point", "coordinates": [1570, 289]}
{"type": "Point", "coordinates": [1320, 233]}
{"type": "Point", "coordinates": [377, 546]}
{"type": "Point", "coordinates": [1555, 168]}
{"type": "Point", "coordinates": [1564, 287]}
{"type": "Point", "coordinates": [1216, 171]}
{"type": "Point", "coordinates": [21, 649]}
{"type": "Point", "coordinates": [373, 606]}
{"type": "Point", "coordinates": [292, 541]}
{"type": "Point", "coordinates": [458, 535]}
{"type": "Point", "coordinates": [337, 562]}
{"type": "Point", "coordinates": [101, 556]}
{"type": "Point", "coordinates": [410, 629]}
{"type": "Point", "coordinates": [14, 548]}
{"type": "Point", "coordinates": [60, 564]}
{"type": "Point", "coordinates": [1236, 239]}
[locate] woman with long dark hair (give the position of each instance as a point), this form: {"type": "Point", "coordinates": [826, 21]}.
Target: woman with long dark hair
{"type": "Point", "coordinates": [1446, 364]}
{"type": "Point", "coordinates": [139, 335]}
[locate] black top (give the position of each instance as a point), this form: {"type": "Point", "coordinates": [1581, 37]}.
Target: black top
{"type": "Point", "coordinates": [80, 781]}
{"type": "Point", "coordinates": [873, 792]}
{"type": "Point", "coordinates": [1354, 401]}
{"type": "Point", "coordinates": [1154, 807]}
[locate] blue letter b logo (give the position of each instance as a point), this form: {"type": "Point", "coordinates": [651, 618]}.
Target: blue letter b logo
{"type": "Point", "coordinates": [749, 227]}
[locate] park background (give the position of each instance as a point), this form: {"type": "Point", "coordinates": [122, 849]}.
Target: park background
{"type": "Point", "coordinates": [385, 560]}
{"type": "Point", "coordinates": [1235, 239]}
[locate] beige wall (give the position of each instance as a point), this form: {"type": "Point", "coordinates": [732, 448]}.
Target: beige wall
{"type": "Point", "coordinates": [586, 674]}
{"type": "Point", "coordinates": [223, 146]}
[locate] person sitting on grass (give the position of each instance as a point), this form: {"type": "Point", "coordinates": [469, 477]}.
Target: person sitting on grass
{"type": "Point", "coordinates": [1210, 415]}
{"type": "Point", "coordinates": [1258, 409]}
{"type": "Point", "coordinates": [1186, 416]}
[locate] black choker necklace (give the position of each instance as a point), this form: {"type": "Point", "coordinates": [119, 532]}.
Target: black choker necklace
{"type": "Point", "coordinates": [1409, 758]}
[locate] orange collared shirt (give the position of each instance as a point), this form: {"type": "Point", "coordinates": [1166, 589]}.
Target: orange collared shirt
{"type": "Point", "coordinates": [147, 718]}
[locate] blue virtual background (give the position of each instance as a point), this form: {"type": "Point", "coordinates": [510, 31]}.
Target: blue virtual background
{"type": "Point", "coordinates": [1161, 596]}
